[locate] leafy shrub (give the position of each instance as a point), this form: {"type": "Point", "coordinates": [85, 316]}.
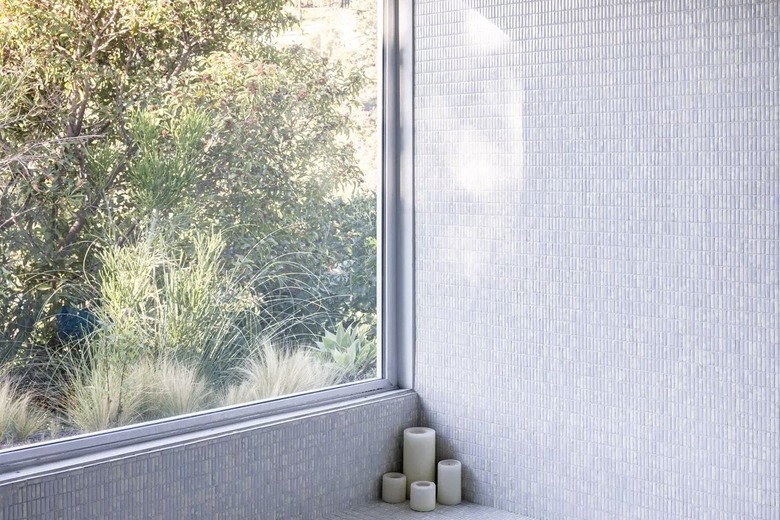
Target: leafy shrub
{"type": "Point", "coordinates": [170, 295]}
{"type": "Point", "coordinates": [191, 113]}
{"type": "Point", "coordinates": [159, 299]}
{"type": "Point", "coordinates": [190, 188]}
{"type": "Point", "coordinates": [350, 351]}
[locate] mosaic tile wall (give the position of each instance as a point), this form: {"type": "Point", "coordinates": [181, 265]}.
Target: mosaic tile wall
{"type": "Point", "coordinates": [597, 196]}
{"type": "Point", "coordinates": [301, 469]}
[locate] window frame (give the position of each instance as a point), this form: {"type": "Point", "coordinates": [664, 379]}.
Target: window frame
{"type": "Point", "coordinates": [395, 302]}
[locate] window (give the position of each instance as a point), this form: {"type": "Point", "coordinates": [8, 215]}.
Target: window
{"type": "Point", "coordinates": [192, 216]}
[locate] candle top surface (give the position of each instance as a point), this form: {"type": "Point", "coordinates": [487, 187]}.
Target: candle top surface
{"type": "Point", "coordinates": [418, 430]}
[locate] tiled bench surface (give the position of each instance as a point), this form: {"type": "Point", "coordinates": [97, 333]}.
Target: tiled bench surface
{"type": "Point", "coordinates": [383, 511]}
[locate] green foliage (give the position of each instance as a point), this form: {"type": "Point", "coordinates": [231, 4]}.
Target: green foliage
{"type": "Point", "coordinates": [171, 294]}
{"type": "Point", "coordinates": [271, 372]}
{"type": "Point", "coordinates": [165, 166]}
{"type": "Point", "coordinates": [111, 110]}
{"type": "Point", "coordinates": [168, 160]}
{"type": "Point", "coordinates": [19, 417]}
{"type": "Point", "coordinates": [350, 351]}
{"type": "Point", "coordinates": [173, 388]}
{"type": "Point", "coordinates": [160, 299]}
{"type": "Point", "coordinates": [105, 395]}
{"type": "Point", "coordinates": [350, 245]}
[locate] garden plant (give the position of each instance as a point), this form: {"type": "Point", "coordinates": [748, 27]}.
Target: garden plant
{"type": "Point", "coordinates": [184, 219]}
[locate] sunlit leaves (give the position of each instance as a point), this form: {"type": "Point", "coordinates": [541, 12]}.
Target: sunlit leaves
{"type": "Point", "coordinates": [112, 112]}
{"type": "Point", "coordinates": [169, 158]}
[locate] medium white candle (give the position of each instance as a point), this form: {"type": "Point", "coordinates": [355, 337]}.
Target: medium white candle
{"type": "Point", "coordinates": [393, 488]}
{"type": "Point", "coordinates": [419, 455]}
{"type": "Point", "coordinates": [423, 496]}
{"type": "Point", "coordinates": [448, 484]}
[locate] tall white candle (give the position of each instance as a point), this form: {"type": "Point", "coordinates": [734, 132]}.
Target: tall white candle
{"type": "Point", "coordinates": [423, 496]}
{"type": "Point", "coordinates": [419, 455]}
{"type": "Point", "coordinates": [393, 488]}
{"type": "Point", "coordinates": [448, 483]}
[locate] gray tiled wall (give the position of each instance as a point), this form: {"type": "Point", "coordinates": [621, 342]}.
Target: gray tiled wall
{"type": "Point", "coordinates": [597, 197]}
{"type": "Point", "coordinates": [299, 469]}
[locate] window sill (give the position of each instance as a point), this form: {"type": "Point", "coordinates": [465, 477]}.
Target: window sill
{"type": "Point", "coordinates": [67, 460]}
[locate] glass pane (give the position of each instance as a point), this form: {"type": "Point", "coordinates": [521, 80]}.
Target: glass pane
{"type": "Point", "coordinates": [188, 197]}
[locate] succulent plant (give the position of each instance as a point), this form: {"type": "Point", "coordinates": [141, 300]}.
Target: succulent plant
{"type": "Point", "coordinates": [351, 350]}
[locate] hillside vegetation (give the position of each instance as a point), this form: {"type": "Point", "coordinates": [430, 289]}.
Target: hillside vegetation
{"type": "Point", "coordinates": [187, 206]}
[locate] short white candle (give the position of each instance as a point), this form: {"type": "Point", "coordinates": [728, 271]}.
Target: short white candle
{"type": "Point", "coordinates": [393, 488]}
{"type": "Point", "coordinates": [423, 496]}
{"type": "Point", "coordinates": [419, 455]}
{"type": "Point", "coordinates": [448, 484]}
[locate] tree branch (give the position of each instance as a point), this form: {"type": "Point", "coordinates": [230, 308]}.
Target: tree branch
{"type": "Point", "coordinates": [88, 209]}
{"type": "Point", "coordinates": [181, 61]}
{"type": "Point", "coordinates": [14, 220]}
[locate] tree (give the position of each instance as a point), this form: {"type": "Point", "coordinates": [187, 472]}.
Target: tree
{"type": "Point", "coordinates": [114, 111]}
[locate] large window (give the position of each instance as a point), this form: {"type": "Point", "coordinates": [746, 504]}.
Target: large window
{"type": "Point", "coordinates": [188, 208]}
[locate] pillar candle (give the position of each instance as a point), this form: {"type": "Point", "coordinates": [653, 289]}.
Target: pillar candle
{"type": "Point", "coordinates": [419, 455]}
{"type": "Point", "coordinates": [423, 496]}
{"type": "Point", "coordinates": [393, 488]}
{"type": "Point", "coordinates": [448, 483]}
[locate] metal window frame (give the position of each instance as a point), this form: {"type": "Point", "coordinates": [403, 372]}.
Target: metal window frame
{"type": "Point", "coordinates": [395, 303]}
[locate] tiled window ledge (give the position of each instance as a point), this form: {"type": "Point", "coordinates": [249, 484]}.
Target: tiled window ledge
{"type": "Point", "coordinates": [383, 511]}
